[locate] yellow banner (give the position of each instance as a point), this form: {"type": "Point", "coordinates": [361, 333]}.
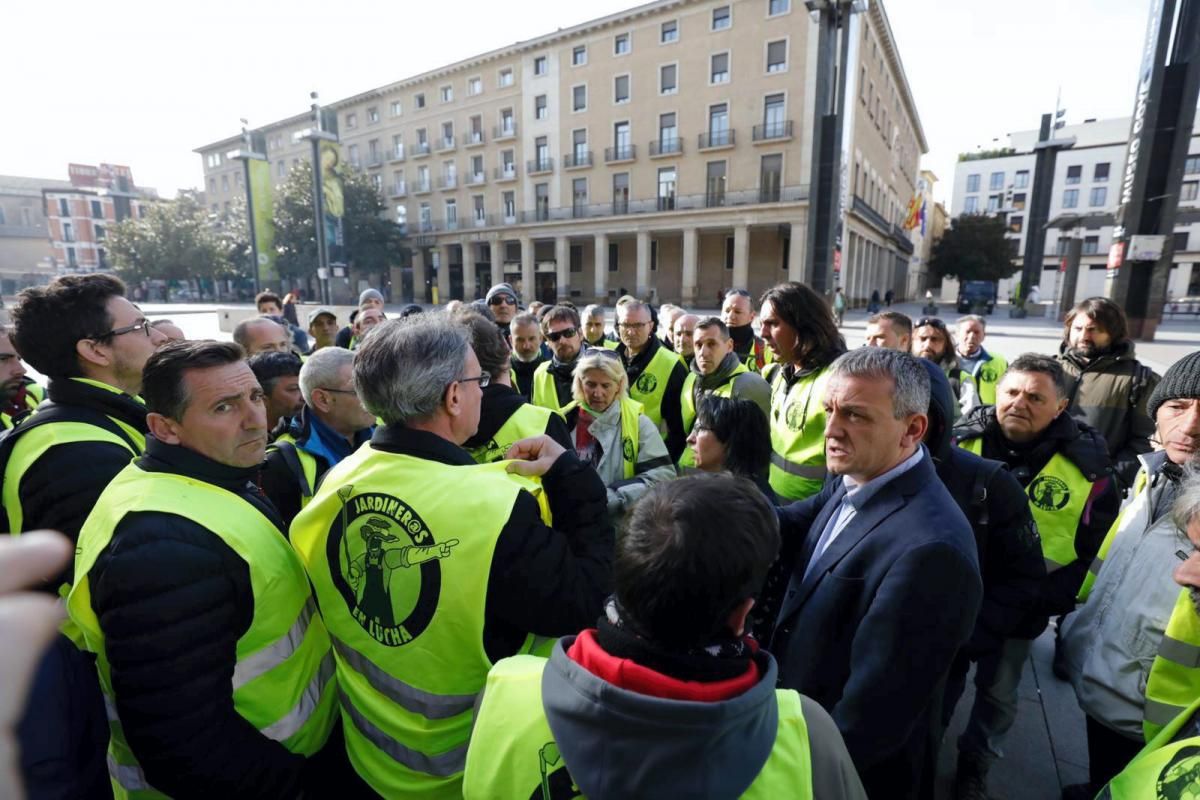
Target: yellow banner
{"type": "Point", "coordinates": [262, 198]}
{"type": "Point", "coordinates": [333, 201]}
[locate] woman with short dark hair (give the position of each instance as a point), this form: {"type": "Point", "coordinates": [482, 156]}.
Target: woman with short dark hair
{"type": "Point", "coordinates": [732, 436]}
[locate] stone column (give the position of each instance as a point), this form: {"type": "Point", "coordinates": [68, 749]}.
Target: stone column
{"type": "Point", "coordinates": [562, 260]}
{"type": "Point", "coordinates": [418, 275]}
{"type": "Point", "coordinates": [691, 251]}
{"type": "Point", "coordinates": [468, 256]}
{"type": "Point", "coordinates": [741, 257]}
{"type": "Point", "coordinates": [443, 276]}
{"type": "Point", "coordinates": [643, 265]}
{"type": "Point", "coordinates": [600, 262]}
{"type": "Point", "coordinates": [528, 282]}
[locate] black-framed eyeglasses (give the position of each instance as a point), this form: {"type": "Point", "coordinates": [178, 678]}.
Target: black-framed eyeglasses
{"type": "Point", "coordinates": [144, 326]}
{"type": "Point", "coordinates": [336, 391]}
{"type": "Point", "coordinates": [933, 321]}
{"type": "Point", "coordinates": [502, 299]}
{"type": "Point", "coordinates": [565, 333]}
{"type": "Point", "coordinates": [483, 380]}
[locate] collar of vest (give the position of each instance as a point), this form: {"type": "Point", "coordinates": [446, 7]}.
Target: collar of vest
{"type": "Point", "coordinates": [101, 397]}
{"type": "Point", "coordinates": [419, 444]}
{"type": "Point", "coordinates": [162, 457]}
{"type": "Point", "coordinates": [638, 364]}
{"type": "Point", "coordinates": [729, 366]}
{"type": "Point", "coordinates": [498, 404]}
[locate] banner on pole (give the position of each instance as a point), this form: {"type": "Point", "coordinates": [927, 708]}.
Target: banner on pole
{"type": "Point", "coordinates": [262, 200]}
{"type": "Point", "coordinates": [333, 201]}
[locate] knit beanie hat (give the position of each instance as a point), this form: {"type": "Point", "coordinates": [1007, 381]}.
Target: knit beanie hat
{"type": "Point", "coordinates": [369, 294]}
{"type": "Point", "coordinates": [1181, 380]}
{"type": "Point", "coordinates": [501, 288]}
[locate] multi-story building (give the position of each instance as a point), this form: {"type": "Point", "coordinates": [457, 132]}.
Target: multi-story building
{"type": "Point", "coordinates": [25, 251]}
{"type": "Point", "coordinates": [1084, 200]}
{"type": "Point", "coordinates": [663, 151]}
{"type": "Point", "coordinates": [79, 214]}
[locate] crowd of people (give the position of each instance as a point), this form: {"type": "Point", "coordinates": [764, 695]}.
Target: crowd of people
{"type": "Point", "coordinates": [492, 552]}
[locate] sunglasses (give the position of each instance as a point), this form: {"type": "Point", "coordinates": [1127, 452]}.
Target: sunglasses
{"type": "Point", "coordinates": [565, 333]}
{"type": "Point", "coordinates": [502, 300]}
{"type": "Point", "coordinates": [603, 352]}
{"type": "Point", "coordinates": [933, 321]}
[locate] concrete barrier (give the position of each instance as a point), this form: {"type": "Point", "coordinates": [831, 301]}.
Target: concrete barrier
{"type": "Point", "coordinates": [228, 317]}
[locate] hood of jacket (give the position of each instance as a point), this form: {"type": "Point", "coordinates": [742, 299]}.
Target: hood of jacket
{"type": "Point", "coordinates": [620, 744]}
{"type": "Point", "coordinates": [1119, 351]}
{"type": "Point", "coordinates": [724, 370]}
{"type": "Point", "coordinates": [1079, 442]}
{"type": "Point", "coordinates": [941, 411]}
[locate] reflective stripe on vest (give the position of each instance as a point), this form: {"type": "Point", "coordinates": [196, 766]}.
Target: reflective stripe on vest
{"type": "Point", "coordinates": [527, 420]}
{"type": "Point", "coordinates": [283, 677]}
{"type": "Point", "coordinates": [797, 433]}
{"type": "Point", "coordinates": [687, 401]}
{"type": "Point", "coordinates": [545, 391]}
{"type": "Point", "coordinates": [1058, 496]}
{"type": "Point", "coordinates": [398, 550]}
{"type": "Point", "coordinates": [513, 753]}
{"type": "Point", "coordinates": [1174, 680]}
{"type": "Point", "coordinates": [34, 394]}
{"type": "Point", "coordinates": [1164, 767]}
{"type": "Point", "coordinates": [1128, 512]}
{"type": "Point", "coordinates": [651, 385]}
{"type": "Point", "coordinates": [987, 374]}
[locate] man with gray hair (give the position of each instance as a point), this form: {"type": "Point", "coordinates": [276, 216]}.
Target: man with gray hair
{"type": "Point", "coordinates": [428, 568]}
{"type": "Point", "coordinates": [262, 335]}
{"type": "Point", "coordinates": [330, 425]}
{"type": "Point", "coordinates": [880, 561]}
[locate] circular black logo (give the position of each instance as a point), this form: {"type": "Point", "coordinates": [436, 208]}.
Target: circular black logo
{"type": "Point", "coordinates": [1180, 778]}
{"type": "Point", "coordinates": [1049, 493]}
{"type": "Point", "coordinates": [794, 416]}
{"type": "Point", "coordinates": [647, 383]}
{"type": "Point", "coordinates": [385, 562]}
{"type": "Point", "coordinates": [627, 448]}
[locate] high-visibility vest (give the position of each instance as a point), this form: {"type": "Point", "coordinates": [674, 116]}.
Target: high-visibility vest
{"type": "Point", "coordinates": [545, 391]}
{"type": "Point", "coordinates": [987, 374]}
{"type": "Point", "coordinates": [283, 681]}
{"type": "Point", "coordinates": [300, 463]}
{"type": "Point", "coordinates": [528, 420]}
{"type": "Point", "coordinates": [513, 753]}
{"type": "Point", "coordinates": [34, 394]}
{"type": "Point", "coordinates": [1057, 499]}
{"type": "Point", "coordinates": [1136, 510]}
{"type": "Point", "coordinates": [399, 549]}
{"type": "Point", "coordinates": [797, 433]}
{"type": "Point", "coordinates": [687, 401]}
{"type": "Point", "coordinates": [759, 356]}
{"type": "Point", "coordinates": [651, 385]}
{"type": "Point", "coordinates": [1164, 767]}
{"type": "Point", "coordinates": [1174, 680]}
{"type": "Point", "coordinates": [631, 410]}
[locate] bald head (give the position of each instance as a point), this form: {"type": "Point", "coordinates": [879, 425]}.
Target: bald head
{"type": "Point", "coordinates": [261, 335]}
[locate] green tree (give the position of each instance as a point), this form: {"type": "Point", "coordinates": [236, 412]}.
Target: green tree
{"type": "Point", "coordinates": [175, 240]}
{"type": "Point", "coordinates": [974, 249]}
{"type": "Point", "coordinates": [373, 242]}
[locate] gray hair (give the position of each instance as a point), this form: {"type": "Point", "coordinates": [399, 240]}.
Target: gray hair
{"type": "Point", "coordinates": [1186, 508]}
{"type": "Point", "coordinates": [911, 381]}
{"type": "Point", "coordinates": [625, 309]}
{"type": "Point", "coordinates": [972, 318]}
{"type": "Point", "coordinates": [402, 369]}
{"type": "Point", "coordinates": [592, 311]}
{"type": "Point", "coordinates": [320, 370]}
{"type": "Point", "coordinates": [241, 333]}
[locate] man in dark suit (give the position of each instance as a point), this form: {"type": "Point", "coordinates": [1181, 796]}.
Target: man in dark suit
{"type": "Point", "coordinates": [884, 582]}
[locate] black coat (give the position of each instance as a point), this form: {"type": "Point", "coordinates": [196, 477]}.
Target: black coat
{"type": "Point", "coordinates": [872, 631]}
{"type": "Point", "coordinates": [499, 403]}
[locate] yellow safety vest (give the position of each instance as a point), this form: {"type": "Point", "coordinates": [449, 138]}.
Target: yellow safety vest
{"type": "Point", "coordinates": [307, 461]}
{"type": "Point", "coordinates": [758, 350]}
{"type": "Point", "coordinates": [283, 681]}
{"type": "Point", "coordinates": [1057, 499]}
{"type": "Point", "coordinates": [1089, 580]}
{"type": "Point", "coordinates": [987, 375]}
{"type": "Point", "coordinates": [651, 385]}
{"type": "Point", "coordinates": [34, 394]}
{"type": "Point", "coordinates": [631, 410]}
{"type": "Point", "coordinates": [797, 433]}
{"type": "Point", "coordinates": [513, 753]}
{"type": "Point", "coordinates": [545, 392]}
{"type": "Point", "coordinates": [688, 403]}
{"type": "Point", "coordinates": [399, 550]}
{"type": "Point", "coordinates": [1164, 768]}
{"type": "Point", "coordinates": [528, 420]}
{"type": "Point", "coordinates": [1174, 680]}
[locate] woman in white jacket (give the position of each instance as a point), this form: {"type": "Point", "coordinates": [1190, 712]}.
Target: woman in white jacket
{"type": "Point", "coordinates": [612, 434]}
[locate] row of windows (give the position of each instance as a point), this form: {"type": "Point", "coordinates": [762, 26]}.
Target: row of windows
{"type": "Point", "coordinates": [996, 180]}
{"type": "Point", "coordinates": [26, 217]}
{"type": "Point", "coordinates": [95, 207]}
{"type": "Point", "coordinates": [99, 233]}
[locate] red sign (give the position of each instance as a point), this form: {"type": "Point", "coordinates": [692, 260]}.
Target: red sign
{"type": "Point", "coordinates": [1062, 265]}
{"type": "Point", "coordinates": [837, 262]}
{"type": "Point", "coordinates": [1116, 254]}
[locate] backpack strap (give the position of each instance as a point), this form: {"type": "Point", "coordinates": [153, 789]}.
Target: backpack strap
{"type": "Point", "coordinates": [292, 460]}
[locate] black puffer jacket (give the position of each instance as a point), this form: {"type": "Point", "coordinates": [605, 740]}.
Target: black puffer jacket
{"type": "Point", "coordinates": [1010, 552]}
{"type": "Point", "coordinates": [501, 402]}
{"type": "Point", "coordinates": [1086, 449]}
{"type": "Point", "coordinates": [173, 599]}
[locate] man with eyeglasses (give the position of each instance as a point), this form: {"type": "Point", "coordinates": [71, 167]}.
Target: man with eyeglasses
{"type": "Point", "coordinates": [330, 425]}
{"type": "Point", "coordinates": [428, 567]}
{"type": "Point", "coordinates": [552, 379]}
{"type": "Point", "coordinates": [737, 312]}
{"type": "Point", "coordinates": [932, 340]}
{"type": "Point", "coordinates": [656, 374]}
{"type": "Point", "coordinates": [502, 302]}
{"type": "Point", "coordinates": [91, 342]}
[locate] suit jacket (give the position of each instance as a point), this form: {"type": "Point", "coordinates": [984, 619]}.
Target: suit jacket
{"type": "Point", "coordinates": [871, 631]}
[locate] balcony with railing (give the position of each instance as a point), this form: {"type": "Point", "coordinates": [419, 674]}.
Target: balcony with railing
{"type": "Point", "coordinates": [477, 179]}
{"type": "Point", "coordinates": [422, 187]}
{"type": "Point", "coordinates": [446, 144]}
{"type": "Point", "coordinates": [474, 139]}
{"type": "Point", "coordinates": [397, 153]}
{"type": "Point", "coordinates": [717, 139]}
{"type": "Point", "coordinates": [506, 172]}
{"type": "Point", "coordinates": [539, 166]}
{"type": "Point", "coordinates": [399, 189]}
{"type": "Point", "coordinates": [420, 149]}
{"type": "Point", "coordinates": [779, 130]}
{"type": "Point", "coordinates": [666, 147]}
{"type": "Point", "coordinates": [577, 160]}
{"type": "Point", "coordinates": [619, 154]}
{"type": "Point", "coordinates": [448, 182]}
{"type": "Point", "coordinates": [374, 159]}
{"type": "Point", "coordinates": [501, 133]}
